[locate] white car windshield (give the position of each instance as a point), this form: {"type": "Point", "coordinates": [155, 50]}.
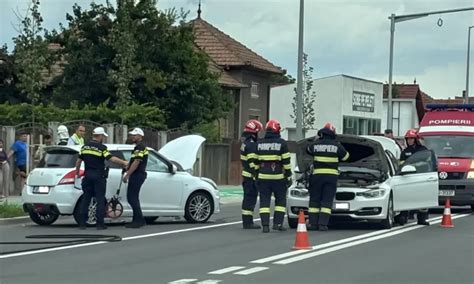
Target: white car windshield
{"type": "Point", "coordinates": [451, 146]}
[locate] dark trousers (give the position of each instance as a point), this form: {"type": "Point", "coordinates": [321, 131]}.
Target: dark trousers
{"type": "Point", "coordinates": [266, 188]}
{"type": "Point", "coordinates": [249, 201]}
{"type": "Point", "coordinates": [322, 189]}
{"type": "Point", "coordinates": [135, 183]}
{"type": "Point", "coordinates": [93, 184]}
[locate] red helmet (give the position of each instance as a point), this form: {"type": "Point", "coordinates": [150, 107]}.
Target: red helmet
{"type": "Point", "coordinates": [411, 133]}
{"type": "Point", "coordinates": [253, 126]}
{"type": "Point", "coordinates": [330, 127]}
{"type": "Point", "coordinates": [273, 125]}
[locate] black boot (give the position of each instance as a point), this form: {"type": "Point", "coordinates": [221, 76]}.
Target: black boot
{"type": "Point", "coordinates": [422, 216]}
{"type": "Point", "coordinates": [250, 226]}
{"type": "Point", "coordinates": [323, 228]}
{"type": "Point", "coordinates": [265, 229]}
{"type": "Point", "coordinates": [279, 227]}
{"type": "Point", "coordinates": [313, 227]}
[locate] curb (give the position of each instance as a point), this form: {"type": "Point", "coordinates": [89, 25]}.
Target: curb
{"type": "Point", "coordinates": [15, 220]}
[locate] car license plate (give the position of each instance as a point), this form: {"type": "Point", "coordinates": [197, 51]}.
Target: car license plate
{"type": "Point", "coordinates": [341, 206]}
{"type": "Point", "coordinates": [446, 193]}
{"type": "Point", "coordinates": [41, 189]}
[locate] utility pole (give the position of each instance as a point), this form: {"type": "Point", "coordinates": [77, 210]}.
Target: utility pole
{"type": "Point", "coordinates": [299, 82]}
{"type": "Point", "coordinates": [400, 18]}
{"type": "Point", "coordinates": [466, 94]}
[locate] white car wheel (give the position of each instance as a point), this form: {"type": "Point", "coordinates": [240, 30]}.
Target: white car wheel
{"type": "Point", "coordinates": [199, 207]}
{"type": "Point", "coordinates": [388, 222]}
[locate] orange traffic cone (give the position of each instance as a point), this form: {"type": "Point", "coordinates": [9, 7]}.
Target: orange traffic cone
{"type": "Point", "coordinates": [447, 222]}
{"type": "Point", "coordinates": [302, 241]}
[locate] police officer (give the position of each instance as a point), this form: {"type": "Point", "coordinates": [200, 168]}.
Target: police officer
{"type": "Point", "coordinates": [326, 154]}
{"type": "Point", "coordinates": [248, 157]}
{"type": "Point", "coordinates": [413, 146]}
{"type": "Point", "coordinates": [274, 175]}
{"type": "Point", "coordinates": [94, 153]}
{"type": "Point", "coordinates": [135, 176]}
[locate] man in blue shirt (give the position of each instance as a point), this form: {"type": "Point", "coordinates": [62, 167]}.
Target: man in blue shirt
{"type": "Point", "coordinates": [19, 149]}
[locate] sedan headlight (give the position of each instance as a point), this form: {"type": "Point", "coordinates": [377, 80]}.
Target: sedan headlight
{"type": "Point", "coordinates": [299, 193]}
{"type": "Point", "coordinates": [374, 193]}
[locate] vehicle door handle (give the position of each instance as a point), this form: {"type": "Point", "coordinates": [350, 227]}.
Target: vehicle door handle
{"type": "Point", "coordinates": [432, 179]}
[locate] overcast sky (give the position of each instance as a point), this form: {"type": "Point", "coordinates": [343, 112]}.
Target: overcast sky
{"type": "Point", "coordinates": [349, 37]}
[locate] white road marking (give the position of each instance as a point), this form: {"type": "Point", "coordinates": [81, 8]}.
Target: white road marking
{"type": "Point", "coordinates": [210, 281]}
{"type": "Point", "coordinates": [346, 245]}
{"type": "Point", "coordinates": [226, 270]}
{"type": "Point", "coordinates": [251, 270]}
{"type": "Point", "coordinates": [183, 281]}
{"type": "Point", "coordinates": [329, 244]}
{"type": "Point", "coordinates": [123, 239]}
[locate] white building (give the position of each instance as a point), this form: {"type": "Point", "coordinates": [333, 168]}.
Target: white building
{"type": "Point", "coordinates": [353, 105]}
{"type": "Point", "coordinates": [408, 107]}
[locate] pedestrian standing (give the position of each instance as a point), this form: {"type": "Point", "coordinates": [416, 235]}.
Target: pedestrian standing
{"type": "Point", "coordinates": [63, 135]}
{"type": "Point", "coordinates": [274, 175]}
{"type": "Point", "coordinates": [327, 153]}
{"type": "Point", "coordinates": [249, 159]}
{"type": "Point", "coordinates": [19, 149]}
{"type": "Point", "coordinates": [4, 172]}
{"type": "Point", "coordinates": [135, 176]}
{"type": "Point", "coordinates": [94, 154]}
{"type": "Point", "coordinates": [78, 137]}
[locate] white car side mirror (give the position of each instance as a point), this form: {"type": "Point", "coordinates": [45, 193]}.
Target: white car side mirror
{"type": "Point", "coordinates": [408, 169]}
{"type": "Point", "coordinates": [174, 169]}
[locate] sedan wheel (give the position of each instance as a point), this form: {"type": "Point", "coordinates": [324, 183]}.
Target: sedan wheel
{"type": "Point", "coordinates": [199, 208]}
{"type": "Point", "coordinates": [390, 219]}
{"type": "Point", "coordinates": [91, 215]}
{"type": "Point", "coordinates": [43, 219]}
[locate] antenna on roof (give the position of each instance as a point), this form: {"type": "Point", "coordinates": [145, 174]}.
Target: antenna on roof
{"type": "Point", "coordinates": [199, 10]}
{"type": "Point", "coordinates": [414, 82]}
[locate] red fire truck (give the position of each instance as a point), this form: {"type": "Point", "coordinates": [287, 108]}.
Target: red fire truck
{"type": "Point", "coordinates": [448, 130]}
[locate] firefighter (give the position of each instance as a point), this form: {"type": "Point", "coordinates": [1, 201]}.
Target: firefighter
{"type": "Point", "coordinates": [94, 154]}
{"type": "Point", "coordinates": [326, 154]}
{"type": "Point", "coordinates": [413, 146]}
{"type": "Point", "coordinates": [274, 175]}
{"type": "Point", "coordinates": [248, 157]}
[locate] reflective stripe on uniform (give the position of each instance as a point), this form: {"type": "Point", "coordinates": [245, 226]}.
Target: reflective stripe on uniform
{"type": "Point", "coordinates": [346, 157]}
{"type": "Point", "coordinates": [252, 156]}
{"type": "Point", "coordinates": [269, 158]}
{"type": "Point", "coordinates": [92, 152]}
{"type": "Point", "coordinates": [139, 154]}
{"type": "Point", "coordinates": [280, 209]}
{"type": "Point", "coordinates": [243, 157]}
{"type": "Point", "coordinates": [326, 159]}
{"type": "Point", "coordinates": [252, 165]}
{"type": "Point", "coordinates": [269, 176]}
{"type": "Point", "coordinates": [247, 212]}
{"type": "Point", "coordinates": [264, 210]}
{"type": "Point", "coordinates": [313, 210]}
{"type": "Point", "coordinates": [326, 210]}
{"type": "Point", "coordinates": [285, 155]}
{"type": "Point", "coordinates": [246, 174]}
{"type": "Point", "coordinates": [106, 153]}
{"type": "Point", "coordinates": [326, 171]}
{"type": "Point", "coordinates": [287, 167]}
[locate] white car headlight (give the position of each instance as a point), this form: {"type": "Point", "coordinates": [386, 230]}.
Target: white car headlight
{"type": "Point", "coordinates": [299, 193]}
{"type": "Point", "coordinates": [374, 193]}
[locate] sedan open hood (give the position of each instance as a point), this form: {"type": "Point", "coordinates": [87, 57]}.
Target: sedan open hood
{"type": "Point", "coordinates": [364, 153]}
{"type": "Point", "coordinates": [183, 150]}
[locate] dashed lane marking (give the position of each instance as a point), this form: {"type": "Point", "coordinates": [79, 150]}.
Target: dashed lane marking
{"type": "Point", "coordinates": [210, 281]}
{"type": "Point", "coordinates": [183, 281]}
{"type": "Point", "coordinates": [227, 270]}
{"type": "Point", "coordinates": [251, 270]}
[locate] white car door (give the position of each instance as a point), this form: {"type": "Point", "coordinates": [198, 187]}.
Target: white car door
{"type": "Point", "coordinates": [419, 188]}
{"type": "Point", "coordinates": [162, 190]}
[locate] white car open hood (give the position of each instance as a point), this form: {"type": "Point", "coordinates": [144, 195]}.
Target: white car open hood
{"type": "Point", "coordinates": [183, 150]}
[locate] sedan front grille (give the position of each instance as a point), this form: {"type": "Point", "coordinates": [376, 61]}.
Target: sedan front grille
{"type": "Point", "coordinates": [344, 196]}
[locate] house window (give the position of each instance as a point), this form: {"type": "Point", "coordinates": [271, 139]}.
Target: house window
{"type": "Point", "coordinates": [361, 126]}
{"type": "Point", "coordinates": [254, 91]}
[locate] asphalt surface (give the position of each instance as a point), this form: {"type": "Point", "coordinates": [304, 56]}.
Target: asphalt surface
{"type": "Point", "coordinates": [172, 251]}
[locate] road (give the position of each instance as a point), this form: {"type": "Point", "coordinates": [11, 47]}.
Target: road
{"type": "Point", "coordinates": [220, 251]}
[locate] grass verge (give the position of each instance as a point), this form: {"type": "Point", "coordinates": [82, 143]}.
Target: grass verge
{"type": "Point", "coordinates": [8, 210]}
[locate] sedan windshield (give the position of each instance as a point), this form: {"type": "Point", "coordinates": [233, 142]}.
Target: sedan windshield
{"type": "Point", "coordinates": [451, 146]}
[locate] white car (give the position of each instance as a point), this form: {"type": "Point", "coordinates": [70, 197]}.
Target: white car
{"type": "Point", "coordinates": [169, 190]}
{"type": "Point", "coordinates": [371, 185]}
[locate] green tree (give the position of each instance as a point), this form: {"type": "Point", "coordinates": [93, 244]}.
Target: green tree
{"type": "Point", "coordinates": [31, 55]}
{"type": "Point", "coordinates": [8, 79]}
{"type": "Point", "coordinates": [309, 97]}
